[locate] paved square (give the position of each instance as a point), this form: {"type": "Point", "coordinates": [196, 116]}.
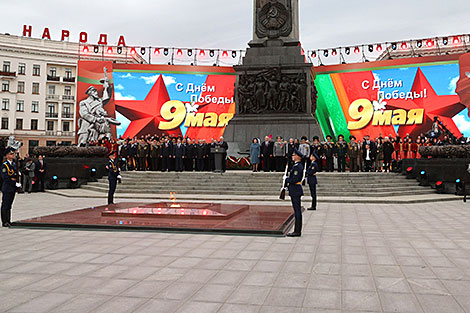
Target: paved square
{"type": "Point", "coordinates": [350, 258]}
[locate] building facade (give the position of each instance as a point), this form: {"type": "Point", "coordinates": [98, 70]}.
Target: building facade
{"type": "Point", "coordinates": [38, 89]}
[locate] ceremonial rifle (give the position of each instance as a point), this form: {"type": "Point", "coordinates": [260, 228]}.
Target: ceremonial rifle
{"type": "Point", "coordinates": [282, 196]}
{"type": "Point", "coordinates": [305, 172]}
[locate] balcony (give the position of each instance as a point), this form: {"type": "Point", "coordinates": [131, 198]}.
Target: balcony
{"type": "Point", "coordinates": [68, 97]}
{"type": "Point", "coordinates": [67, 115]}
{"type": "Point", "coordinates": [7, 74]}
{"type": "Point", "coordinates": [53, 78]}
{"type": "Point", "coordinates": [52, 114]}
{"type": "Point", "coordinates": [59, 133]}
{"type": "Point", "coordinates": [52, 97]}
{"type": "Point", "coordinates": [68, 79]}
{"type": "Point", "coordinates": [67, 134]}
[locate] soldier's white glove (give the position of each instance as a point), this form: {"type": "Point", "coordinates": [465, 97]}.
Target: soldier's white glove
{"type": "Point", "coordinates": [18, 185]}
{"type": "Point", "coordinates": [119, 177]}
{"type": "Point", "coordinates": [284, 177]}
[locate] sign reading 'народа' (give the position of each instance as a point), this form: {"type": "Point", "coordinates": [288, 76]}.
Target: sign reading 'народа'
{"type": "Point", "coordinates": [394, 97]}
{"type": "Point", "coordinates": [188, 101]}
{"type": "Point", "coordinates": [65, 35]}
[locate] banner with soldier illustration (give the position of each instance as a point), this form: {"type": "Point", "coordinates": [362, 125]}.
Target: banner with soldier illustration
{"type": "Point", "coordinates": [95, 102]}
{"type": "Point", "coordinates": [189, 101]}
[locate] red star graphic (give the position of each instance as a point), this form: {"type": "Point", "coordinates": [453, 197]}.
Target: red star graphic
{"type": "Point", "coordinates": [145, 114]}
{"type": "Point", "coordinates": [444, 107]}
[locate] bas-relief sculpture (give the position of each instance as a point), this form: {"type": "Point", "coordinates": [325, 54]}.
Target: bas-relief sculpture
{"type": "Point", "coordinates": [272, 91]}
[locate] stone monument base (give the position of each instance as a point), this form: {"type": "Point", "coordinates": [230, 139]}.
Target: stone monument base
{"type": "Point", "coordinates": [242, 129]}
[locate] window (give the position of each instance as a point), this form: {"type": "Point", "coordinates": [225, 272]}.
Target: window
{"type": "Point", "coordinates": [51, 108]}
{"type": "Point", "coordinates": [32, 144]}
{"type": "Point", "coordinates": [67, 107]}
{"type": "Point", "coordinates": [36, 70]}
{"type": "Point", "coordinates": [51, 89]}
{"type": "Point", "coordinates": [34, 124]}
{"type": "Point", "coordinates": [20, 105]}
{"type": "Point", "coordinates": [68, 73]}
{"type": "Point", "coordinates": [35, 88]}
{"type": "Point", "coordinates": [20, 87]}
{"type": "Point", "coordinates": [5, 85]}
{"type": "Point", "coordinates": [67, 90]}
{"type": "Point", "coordinates": [6, 66]}
{"type": "Point", "coordinates": [53, 72]}
{"type": "Point", "coordinates": [66, 127]}
{"type": "Point", "coordinates": [50, 143]}
{"type": "Point", "coordinates": [4, 122]}
{"type": "Point", "coordinates": [50, 125]}
{"type": "Point", "coordinates": [35, 106]}
{"type": "Point", "coordinates": [21, 68]}
{"type": "Point", "coordinates": [19, 123]}
{"type": "Point", "coordinates": [5, 104]}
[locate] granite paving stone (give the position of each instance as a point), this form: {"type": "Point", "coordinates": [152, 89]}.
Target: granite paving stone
{"type": "Point", "coordinates": [353, 258]}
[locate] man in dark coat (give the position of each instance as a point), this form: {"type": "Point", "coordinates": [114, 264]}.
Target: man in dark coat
{"type": "Point", "coordinates": [167, 150]}
{"type": "Point", "coordinates": [188, 156]}
{"type": "Point", "coordinates": [41, 168]}
{"type": "Point", "coordinates": [179, 153]}
{"type": "Point", "coordinates": [267, 153]}
{"type": "Point", "coordinates": [200, 156]}
{"type": "Point", "coordinates": [224, 145]}
{"type": "Point", "coordinates": [388, 152]}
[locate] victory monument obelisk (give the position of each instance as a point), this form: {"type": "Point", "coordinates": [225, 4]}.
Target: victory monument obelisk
{"type": "Point", "coordinates": [274, 92]}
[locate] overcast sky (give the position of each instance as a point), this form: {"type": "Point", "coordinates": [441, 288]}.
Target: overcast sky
{"type": "Point", "coordinates": [227, 24]}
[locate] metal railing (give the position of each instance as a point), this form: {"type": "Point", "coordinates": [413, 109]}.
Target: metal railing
{"type": "Point", "coordinates": [53, 78]}
{"type": "Point", "coordinates": [52, 97]}
{"type": "Point", "coordinates": [52, 114]}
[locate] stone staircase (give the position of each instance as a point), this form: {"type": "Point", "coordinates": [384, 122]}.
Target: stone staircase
{"type": "Point", "coordinates": [240, 185]}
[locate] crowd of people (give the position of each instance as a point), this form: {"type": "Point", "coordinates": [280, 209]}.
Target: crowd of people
{"type": "Point", "coordinates": [365, 155]}
{"type": "Point", "coordinates": [165, 153]}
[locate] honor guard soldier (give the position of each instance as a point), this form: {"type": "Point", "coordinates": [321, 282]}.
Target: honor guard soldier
{"type": "Point", "coordinates": [294, 185]}
{"type": "Point", "coordinates": [10, 184]}
{"type": "Point", "coordinates": [318, 149]}
{"type": "Point", "coordinates": [328, 149]}
{"type": "Point", "coordinates": [113, 176]}
{"type": "Point", "coordinates": [341, 150]}
{"type": "Point", "coordinates": [353, 152]}
{"type": "Point", "coordinates": [311, 174]}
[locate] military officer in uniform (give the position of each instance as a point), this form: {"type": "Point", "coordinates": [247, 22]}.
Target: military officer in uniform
{"type": "Point", "coordinates": [142, 152]}
{"type": "Point", "coordinates": [353, 152]}
{"type": "Point", "coordinates": [328, 149]}
{"type": "Point", "coordinates": [9, 185]}
{"type": "Point", "coordinates": [341, 150]}
{"type": "Point", "coordinates": [311, 174]}
{"type": "Point", "coordinates": [294, 185]}
{"type": "Point", "coordinates": [318, 149]}
{"type": "Point", "coordinates": [113, 176]}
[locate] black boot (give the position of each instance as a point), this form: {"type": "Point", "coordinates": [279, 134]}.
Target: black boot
{"type": "Point", "coordinates": [297, 229]}
{"type": "Point", "coordinates": [314, 205]}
